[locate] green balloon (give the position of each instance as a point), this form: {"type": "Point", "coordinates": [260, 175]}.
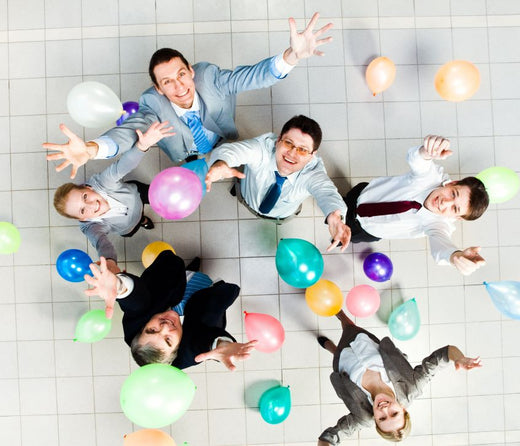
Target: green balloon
{"type": "Point", "coordinates": [92, 326]}
{"type": "Point", "coordinates": [299, 263]}
{"type": "Point", "coordinates": [501, 183]}
{"type": "Point", "coordinates": [275, 404]}
{"type": "Point", "coordinates": [405, 321]}
{"type": "Point", "coordinates": [156, 395]}
{"type": "Point", "coordinates": [9, 238]}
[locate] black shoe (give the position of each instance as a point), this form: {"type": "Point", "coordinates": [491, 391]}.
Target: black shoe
{"type": "Point", "coordinates": [146, 223]}
{"type": "Point", "coordinates": [194, 265]}
{"type": "Point", "coordinates": [191, 158]}
{"type": "Point", "coordinates": [233, 190]}
{"type": "Point", "coordinates": [322, 340]}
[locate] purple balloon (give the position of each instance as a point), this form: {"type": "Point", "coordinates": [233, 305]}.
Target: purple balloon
{"type": "Point", "coordinates": [378, 267]}
{"type": "Point", "coordinates": [175, 193]}
{"type": "Point", "coordinates": [130, 108]}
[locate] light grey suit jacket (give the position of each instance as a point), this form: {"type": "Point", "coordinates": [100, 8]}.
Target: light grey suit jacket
{"type": "Point", "coordinates": [110, 183]}
{"type": "Point", "coordinates": [408, 383]}
{"type": "Point", "coordinates": [217, 91]}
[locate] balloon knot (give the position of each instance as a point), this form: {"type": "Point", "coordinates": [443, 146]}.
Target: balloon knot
{"type": "Point", "coordinates": [74, 340]}
{"type": "Point", "coordinates": [373, 94]}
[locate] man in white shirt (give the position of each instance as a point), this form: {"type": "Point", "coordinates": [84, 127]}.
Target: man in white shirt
{"type": "Point", "coordinates": [288, 163]}
{"type": "Point", "coordinates": [425, 203]}
{"type": "Point", "coordinates": [199, 101]}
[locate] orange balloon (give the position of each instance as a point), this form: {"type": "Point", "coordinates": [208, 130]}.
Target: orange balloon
{"type": "Point", "coordinates": [324, 298]}
{"type": "Point", "coordinates": [148, 437]}
{"type": "Point", "coordinates": [380, 74]}
{"type": "Point", "coordinates": [151, 252]}
{"type": "Point", "coordinates": [457, 80]}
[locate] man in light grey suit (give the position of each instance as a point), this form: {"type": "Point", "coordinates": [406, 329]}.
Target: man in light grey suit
{"type": "Point", "coordinates": [108, 204]}
{"type": "Point", "coordinates": [377, 383]}
{"type": "Point", "coordinates": [199, 101]}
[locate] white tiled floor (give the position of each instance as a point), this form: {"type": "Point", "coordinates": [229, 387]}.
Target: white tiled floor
{"type": "Point", "coordinates": [57, 393]}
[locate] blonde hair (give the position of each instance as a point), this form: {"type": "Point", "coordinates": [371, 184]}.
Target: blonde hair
{"type": "Point", "coordinates": [60, 197]}
{"type": "Point", "coordinates": [398, 435]}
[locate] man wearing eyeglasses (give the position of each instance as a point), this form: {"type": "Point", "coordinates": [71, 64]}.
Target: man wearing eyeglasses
{"type": "Point", "coordinates": [280, 173]}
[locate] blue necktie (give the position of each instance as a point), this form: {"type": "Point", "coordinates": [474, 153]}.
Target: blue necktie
{"type": "Point", "coordinates": [198, 281]}
{"type": "Point", "coordinates": [195, 125]}
{"type": "Point", "coordinates": [272, 195]}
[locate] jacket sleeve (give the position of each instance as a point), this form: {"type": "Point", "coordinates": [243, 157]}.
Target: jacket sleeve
{"type": "Point", "coordinates": [121, 167]}
{"type": "Point", "coordinates": [424, 372]}
{"type": "Point", "coordinates": [345, 427]}
{"type": "Point", "coordinates": [242, 78]}
{"type": "Point", "coordinates": [97, 234]}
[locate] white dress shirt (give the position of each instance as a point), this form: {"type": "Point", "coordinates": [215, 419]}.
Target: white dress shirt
{"type": "Point", "coordinates": [424, 176]}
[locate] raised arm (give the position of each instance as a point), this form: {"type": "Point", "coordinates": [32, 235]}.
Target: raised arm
{"type": "Point", "coordinates": [468, 260]}
{"type": "Point", "coordinates": [219, 171]}
{"type": "Point", "coordinates": [228, 353]}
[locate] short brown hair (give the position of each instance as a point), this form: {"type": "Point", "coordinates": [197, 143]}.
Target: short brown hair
{"type": "Point", "coordinates": [148, 354]}
{"type": "Point", "coordinates": [164, 55]}
{"type": "Point", "coordinates": [60, 197]}
{"type": "Point", "coordinates": [478, 197]}
{"type": "Point", "coordinates": [399, 435]}
{"type": "Point", "coordinates": [305, 125]}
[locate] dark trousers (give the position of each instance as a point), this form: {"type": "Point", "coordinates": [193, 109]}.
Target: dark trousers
{"type": "Point", "coordinates": [358, 233]}
{"type": "Point", "coordinates": [143, 194]}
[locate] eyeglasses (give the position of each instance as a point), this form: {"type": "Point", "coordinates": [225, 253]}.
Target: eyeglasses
{"type": "Point", "coordinates": [301, 151]}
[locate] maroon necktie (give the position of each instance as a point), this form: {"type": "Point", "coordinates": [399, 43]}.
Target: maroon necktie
{"type": "Point", "coordinates": [386, 208]}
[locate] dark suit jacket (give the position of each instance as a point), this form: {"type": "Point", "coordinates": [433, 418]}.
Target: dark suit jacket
{"type": "Point", "coordinates": [408, 383]}
{"type": "Point", "coordinates": [161, 286]}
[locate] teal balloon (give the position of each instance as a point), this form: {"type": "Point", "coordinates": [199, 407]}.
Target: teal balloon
{"type": "Point", "coordinates": [9, 238]}
{"type": "Point", "coordinates": [156, 395]}
{"type": "Point", "coordinates": [275, 404]}
{"type": "Point", "coordinates": [405, 321]}
{"type": "Point", "coordinates": [501, 183]}
{"type": "Point", "coordinates": [201, 169]}
{"type": "Point", "coordinates": [299, 263]}
{"type": "Point", "coordinates": [506, 297]}
{"type": "Point", "coordinates": [92, 326]}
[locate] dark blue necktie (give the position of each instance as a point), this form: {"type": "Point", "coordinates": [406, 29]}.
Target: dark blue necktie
{"type": "Point", "coordinates": [272, 195]}
{"type": "Point", "coordinates": [195, 125]}
{"type": "Point", "coordinates": [198, 282]}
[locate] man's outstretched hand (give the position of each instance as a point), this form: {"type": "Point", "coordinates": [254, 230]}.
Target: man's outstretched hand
{"type": "Point", "coordinates": [228, 352]}
{"type": "Point", "coordinates": [75, 152]}
{"type": "Point", "coordinates": [220, 170]}
{"type": "Point", "coordinates": [104, 284]}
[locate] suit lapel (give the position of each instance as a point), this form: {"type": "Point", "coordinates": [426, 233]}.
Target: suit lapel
{"type": "Point", "coordinates": [207, 120]}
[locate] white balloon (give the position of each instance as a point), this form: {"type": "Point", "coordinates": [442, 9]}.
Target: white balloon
{"type": "Point", "coordinates": [93, 104]}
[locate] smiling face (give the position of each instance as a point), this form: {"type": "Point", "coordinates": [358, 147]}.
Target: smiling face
{"type": "Point", "coordinates": [388, 413]}
{"type": "Point", "coordinates": [451, 200]}
{"type": "Point", "coordinates": [175, 81]}
{"type": "Point", "coordinates": [85, 204]}
{"type": "Point", "coordinates": [294, 150]}
{"type": "Point", "coordinates": [163, 331]}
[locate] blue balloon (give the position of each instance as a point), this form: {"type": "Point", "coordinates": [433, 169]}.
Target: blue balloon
{"type": "Point", "coordinates": [73, 264]}
{"type": "Point", "coordinates": [506, 297]}
{"type": "Point", "coordinates": [405, 321]}
{"type": "Point", "coordinates": [201, 169]}
{"type": "Point", "coordinates": [299, 263]}
{"type": "Point", "coordinates": [378, 267]}
{"type": "Point", "coordinates": [275, 404]}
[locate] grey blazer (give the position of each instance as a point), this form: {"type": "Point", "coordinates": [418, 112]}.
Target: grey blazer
{"type": "Point", "coordinates": [109, 181]}
{"type": "Point", "coordinates": [217, 91]}
{"type": "Point", "coordinates": [408, 383]}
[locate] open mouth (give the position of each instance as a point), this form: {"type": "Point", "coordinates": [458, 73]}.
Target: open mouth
{"type": "Point", "coordinates": [287, 160]}
{"type": "Point", "coordinates": [184, 93]}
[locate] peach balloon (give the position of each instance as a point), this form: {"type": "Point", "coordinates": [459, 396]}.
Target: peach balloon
{"type": "Point", "coordinates": [324, 298]}
{"type": "Point", "coordinates": [363, 300]}
{"type": "Point", "coordinates": [380, 74]}
{"type": "Point", "coordinates": [457, 80]}
{"type": "Point", "coordinates": [148, 437]}
{"type": "Point", "coordinates": [152, 250]}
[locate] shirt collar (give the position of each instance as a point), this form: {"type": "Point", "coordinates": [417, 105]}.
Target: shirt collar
{"type": "Point", "coordinates": [180, 112]}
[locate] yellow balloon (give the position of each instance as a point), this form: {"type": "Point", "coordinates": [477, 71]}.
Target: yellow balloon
{"type": "Point", "coordinates": [324, 298]}
{"type": "Point", "coordinates": [151, 252]}
{"type": "Point", "coordinates": [457, 80]}
{"type": "Point", "coordinates": [148, 437]}
{"type": "Point", "coordinates": [380, 74]}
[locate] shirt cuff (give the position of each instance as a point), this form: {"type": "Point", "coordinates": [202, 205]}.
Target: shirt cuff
{"type": "Point", "coordinates": [128, 282]}
{"type": "Point", "coordinates": [220, 338]}
{"type": "Point", "coordinates": [279, 67]}
{"type": "Point", "coordinates": [107, 147]}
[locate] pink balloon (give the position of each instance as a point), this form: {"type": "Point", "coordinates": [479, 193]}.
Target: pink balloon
{"type": "Point", "coordinates": [175, 193]}
{"type": "Point", "coordinates": [363, 301]}
{"type": "Point", "coordinates": [266, 329]}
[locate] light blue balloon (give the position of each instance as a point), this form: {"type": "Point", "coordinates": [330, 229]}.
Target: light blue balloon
{"type": "Point", "coordinates": [275, 404]}
{"type": "Point", "coordinates": [201, 169]}
{"type": "Point", "coordinates": [506, 297]}
{"type": "Point", "coordinates": [298, 262]}
{"type": "Point", "coordinates": [405, 321]}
